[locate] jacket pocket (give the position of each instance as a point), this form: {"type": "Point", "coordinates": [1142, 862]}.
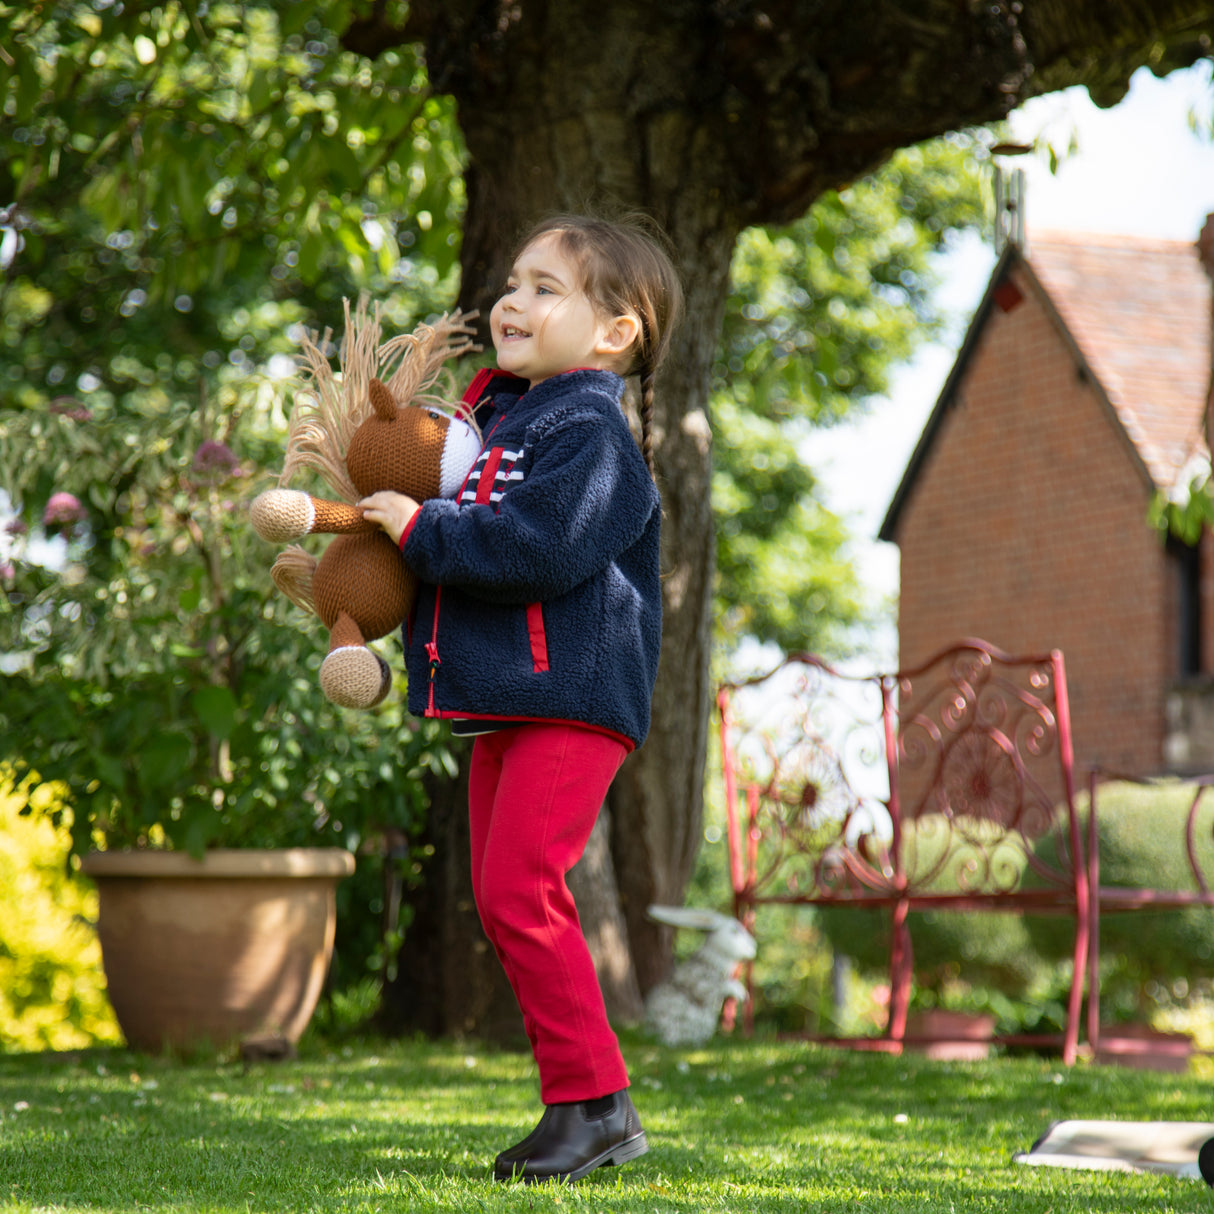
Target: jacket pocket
{"type": "Point", "coordinates": [537, 637]}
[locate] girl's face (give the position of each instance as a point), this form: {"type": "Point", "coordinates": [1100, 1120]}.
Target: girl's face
{"type": "Point", "coordinates": [545, 324]}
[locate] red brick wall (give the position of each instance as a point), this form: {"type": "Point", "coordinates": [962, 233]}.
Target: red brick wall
{"type": "Point", "coordinates": [1027, 527]}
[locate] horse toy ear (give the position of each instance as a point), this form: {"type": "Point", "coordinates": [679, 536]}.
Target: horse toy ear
{"type": "Point", "coordinates": [382, 402]}
{"type": "Point", "coordinates": [361, 588]}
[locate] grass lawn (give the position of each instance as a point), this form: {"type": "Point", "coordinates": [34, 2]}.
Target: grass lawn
{"type": "Point", "coordinates": [739, 1126]}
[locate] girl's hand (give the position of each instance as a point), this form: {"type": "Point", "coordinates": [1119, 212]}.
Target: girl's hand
{"type": "Point", "coordinates": [392, 511]}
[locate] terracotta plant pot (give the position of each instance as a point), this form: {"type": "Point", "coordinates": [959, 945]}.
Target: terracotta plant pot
{"type": "Point", "coordinates": [1143, 1048]}
{"type": "Point", "coordinates": [216, 951]}
{"type": "Point", "coordinates": [950, 1036]}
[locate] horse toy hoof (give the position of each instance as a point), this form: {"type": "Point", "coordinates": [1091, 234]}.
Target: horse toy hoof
{"type": "Point", "coordinates": [355, 677]}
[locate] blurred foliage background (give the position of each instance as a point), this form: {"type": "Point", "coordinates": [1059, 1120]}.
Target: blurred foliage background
{"type": "Point", "coordinates": [185, 188]}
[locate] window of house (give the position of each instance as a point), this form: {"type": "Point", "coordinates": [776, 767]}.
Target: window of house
{"type": "Point", "coordinates": [1186, 564]}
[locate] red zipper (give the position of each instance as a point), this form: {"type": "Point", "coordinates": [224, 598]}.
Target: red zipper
{"type": "Point", "coordinates": [432, 653]}
{"type": "Point", "coordinates": [480, 381]}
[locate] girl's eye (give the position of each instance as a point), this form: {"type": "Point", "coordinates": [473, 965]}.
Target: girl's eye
{"type": "Point", "coordinates": [543, 290]}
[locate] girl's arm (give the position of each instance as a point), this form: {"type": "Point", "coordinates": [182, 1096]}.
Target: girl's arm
{"type": "Point", "coordinates": [585, 498]}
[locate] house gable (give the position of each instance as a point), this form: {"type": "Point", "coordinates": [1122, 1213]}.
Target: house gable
{"type": "Point", "coordinates": [1022, 515]}
{"type": "Point", "coordinates": [1126, 311]}
{"type": "Point", "coordinates": [1138, 310]}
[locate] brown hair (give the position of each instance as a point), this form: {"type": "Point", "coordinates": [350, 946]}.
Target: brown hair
{"type": "Point", "coordinates": [625, 269]}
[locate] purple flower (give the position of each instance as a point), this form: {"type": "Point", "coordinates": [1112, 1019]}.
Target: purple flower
{"type": "Point", "coordinates": [63, 510]}
{"type": "Point", "coordinates": [215, 459]}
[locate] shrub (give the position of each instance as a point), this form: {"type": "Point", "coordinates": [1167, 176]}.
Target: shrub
{"type": "Point", "coordinates": [1144, 954]}
{"type": "Point", "coordinates": [52, 992]}
{"type": "Point", "coordinates": [967, 948]}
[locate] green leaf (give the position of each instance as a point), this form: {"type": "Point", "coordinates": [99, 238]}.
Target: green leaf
{"type": "Point", "coordinates": [109, 771]}
{"type": "Point", "coordinates": [29, 87]}
{"type": "Point", "coordinates": [216, 709]}
{"type": "Point", "coordinates": [163, 758]}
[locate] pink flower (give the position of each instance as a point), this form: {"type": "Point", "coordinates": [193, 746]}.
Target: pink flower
{"type": "Point", "coordinates": [62, 513]}
{"type": "Point", "coordinates": [215, 459]}
{"type": "Point", "coordinates": [63, 510]}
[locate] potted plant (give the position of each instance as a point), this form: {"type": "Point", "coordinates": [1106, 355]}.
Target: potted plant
{"type": "Point", "coordinates": [151, 668]}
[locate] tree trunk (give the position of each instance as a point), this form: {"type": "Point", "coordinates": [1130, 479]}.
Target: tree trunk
{"type": "Point", "coordinates": [712, 117]}
{"type": "Point", "coordinates": [596, 892]}
{"type": "Point", "coordinates": [448, 980]}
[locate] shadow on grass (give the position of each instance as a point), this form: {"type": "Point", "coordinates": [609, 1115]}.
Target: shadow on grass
{"type": "Point", "coordinates": [415, 1125]}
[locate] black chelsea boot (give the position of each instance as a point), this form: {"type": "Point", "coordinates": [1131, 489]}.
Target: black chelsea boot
{"type": "Point", "coordinates": [572, 1140]}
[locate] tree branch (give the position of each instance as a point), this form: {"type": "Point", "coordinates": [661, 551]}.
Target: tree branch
{"type": "Point", "coordinates": [370, 36]}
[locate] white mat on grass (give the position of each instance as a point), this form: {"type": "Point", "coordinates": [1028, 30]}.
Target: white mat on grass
{"type": "Point", "coordinates": [1123, 1146]}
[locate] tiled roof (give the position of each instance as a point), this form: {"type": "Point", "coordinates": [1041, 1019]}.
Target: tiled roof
{"type": "Point", "coordinates": [1140, 312]}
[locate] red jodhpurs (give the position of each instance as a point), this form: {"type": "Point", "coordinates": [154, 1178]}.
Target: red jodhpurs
{"type": "Point", "coordinates": [534, 792]}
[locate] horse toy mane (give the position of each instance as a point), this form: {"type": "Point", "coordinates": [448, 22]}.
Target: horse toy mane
{"type": "Point", "coordinates": [382, 421]}
{"type": "Point", "coordinates": [331, 406]}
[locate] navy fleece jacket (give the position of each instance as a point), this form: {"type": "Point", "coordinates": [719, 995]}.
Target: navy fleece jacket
{"type": "Point", "coordinates": [540, 595]}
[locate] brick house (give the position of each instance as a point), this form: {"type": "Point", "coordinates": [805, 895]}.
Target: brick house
{"type": "Point", "coordinates": [1079, 392]}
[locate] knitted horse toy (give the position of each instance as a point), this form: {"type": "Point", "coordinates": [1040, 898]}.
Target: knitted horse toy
{"type": "Point", "coordinates": [363, 434]}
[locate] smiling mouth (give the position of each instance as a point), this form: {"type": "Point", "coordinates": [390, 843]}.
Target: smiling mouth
{"type": "Point", "coordinates": [509, 331]}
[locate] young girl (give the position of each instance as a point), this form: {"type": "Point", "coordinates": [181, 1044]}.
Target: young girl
{"type": "Point", "coordinates": [537, 628]}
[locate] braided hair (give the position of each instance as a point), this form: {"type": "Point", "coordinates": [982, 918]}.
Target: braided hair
{"type": "Point", "coordinates": [625, 271]}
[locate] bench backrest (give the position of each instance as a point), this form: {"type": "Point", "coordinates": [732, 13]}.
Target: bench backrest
{"type": "Point", "coordinates": [950, 780]}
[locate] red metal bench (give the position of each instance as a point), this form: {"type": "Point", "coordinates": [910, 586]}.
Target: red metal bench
{"type": "Point", "coordinates": [945, 787]}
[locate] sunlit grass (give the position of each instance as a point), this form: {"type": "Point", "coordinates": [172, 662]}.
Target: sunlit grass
{"type": "Point", "coordinates": [739, 1126]}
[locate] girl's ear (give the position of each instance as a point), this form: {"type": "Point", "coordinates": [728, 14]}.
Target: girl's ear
{"type": "Point", "coordinates": [618, 335]}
